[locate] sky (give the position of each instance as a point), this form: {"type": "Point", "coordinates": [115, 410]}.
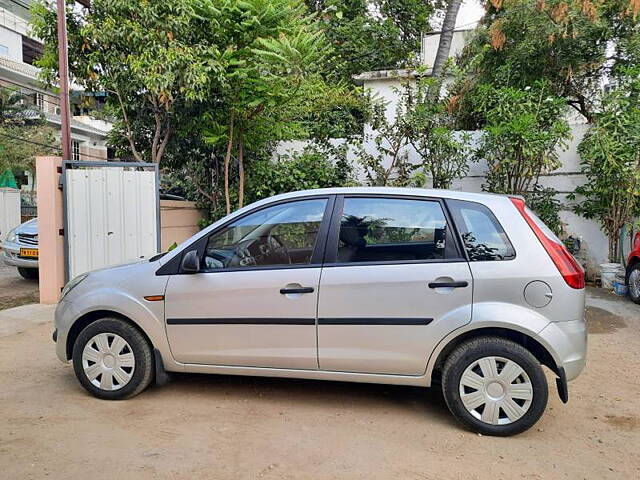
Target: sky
{"type": "Point", "coordinates": [470, 11]}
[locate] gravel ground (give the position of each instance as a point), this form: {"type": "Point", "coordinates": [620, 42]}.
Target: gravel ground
{"type": "Point", "coordinates": [15, 290]}
{"type": "Point", "coordinates": [219, 427]}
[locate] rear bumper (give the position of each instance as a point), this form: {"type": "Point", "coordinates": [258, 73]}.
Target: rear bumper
{"type": "Point", "coordinates": [11, 258]}
{"type": "Point", "coordinates": [569, 342]}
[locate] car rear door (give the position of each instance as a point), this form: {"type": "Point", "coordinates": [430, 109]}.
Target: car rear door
{"type": "Point", "coordinates": [393, 285]}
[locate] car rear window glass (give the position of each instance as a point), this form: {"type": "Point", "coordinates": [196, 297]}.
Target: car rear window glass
{"type": "Point", "coordinates": [380, 229]}
{"type": "Point", "coordinates": [482, 235]}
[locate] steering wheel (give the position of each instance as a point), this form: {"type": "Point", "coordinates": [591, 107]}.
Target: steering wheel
{"type": "Point", "coordinates": [278, 249]}
{"type": "Point", "coordinates": [266, 250]}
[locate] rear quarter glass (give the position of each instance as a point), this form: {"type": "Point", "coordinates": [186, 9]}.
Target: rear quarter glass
{"type": "Point", "coordinates": [542, 226]}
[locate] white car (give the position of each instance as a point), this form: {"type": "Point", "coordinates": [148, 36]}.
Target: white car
{"type": "Point", "coordinates": [20, 249]}
{"type": "Point", "coordinates": [384, 285]}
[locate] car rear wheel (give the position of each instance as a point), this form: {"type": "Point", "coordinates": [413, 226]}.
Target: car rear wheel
{"type": "Point", "coordinates": [634, 283]}
{"type": "Point", "coordinates": [494, 386]}
{"type": "Point", "coordinates": [112, 359]}
{"type": "Point", "coordinates": [28, 273]}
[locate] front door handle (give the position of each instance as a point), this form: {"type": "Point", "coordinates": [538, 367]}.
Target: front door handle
{"type": "Point", "coordinates": [287, 291]}
{"type": "Point", "coordinates": [448, 284]}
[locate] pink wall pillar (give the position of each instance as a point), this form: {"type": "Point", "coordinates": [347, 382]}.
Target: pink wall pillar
{"type": "Point", "coordinates": [50, 221]}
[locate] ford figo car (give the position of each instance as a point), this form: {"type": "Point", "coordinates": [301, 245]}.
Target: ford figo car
{"type": "Point", "coordinates": [399, 286]}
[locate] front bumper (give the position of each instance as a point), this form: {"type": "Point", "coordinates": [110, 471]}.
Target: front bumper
{"type": "Point", "coordinates": [569, 342]}
{"type": "Point", "coordinates": [65, 315]}
{"type": "Point", "coordinates": [11, 257]}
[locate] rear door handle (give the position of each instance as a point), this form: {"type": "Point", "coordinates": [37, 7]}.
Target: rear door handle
{"type": "Point", "coordinates": [287, 291]}
{"type": "Point", "coordinates": [448, 284]}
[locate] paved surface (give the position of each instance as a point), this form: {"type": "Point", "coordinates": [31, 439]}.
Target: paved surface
{"type": "Point", "coordinates": [15, 290]}
{"type": "Point", "coordinates": [218, 427]}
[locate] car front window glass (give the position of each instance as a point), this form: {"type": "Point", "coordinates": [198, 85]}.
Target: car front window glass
{"type": "Point", "coordinates": [283, 234]}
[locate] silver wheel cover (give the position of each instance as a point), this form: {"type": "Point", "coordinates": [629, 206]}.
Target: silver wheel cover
{"type": "Point", "coordinates": [108, 361]}
{"type": "Point", "coordinates": [496, 390]}
{"type": "Point", "coordinates": [634, 283]}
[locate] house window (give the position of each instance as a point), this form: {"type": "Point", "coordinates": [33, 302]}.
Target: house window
{"type": "Point", "coordinates": [75, 150]}
{"type": "Point", "coordinates": [40, 101]}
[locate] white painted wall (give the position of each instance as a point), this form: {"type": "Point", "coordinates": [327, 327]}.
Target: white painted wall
{"type": "Point", "coordinates": [430, 42]}
{"type": "Point", "coordinates": [565, 179]}
{"type": "Point", "coordinates": [13, 42]}
{"type": "Point", "coordinates": [9, 210]}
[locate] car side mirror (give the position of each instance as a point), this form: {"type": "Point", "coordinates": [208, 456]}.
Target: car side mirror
{"type": "Point", "coordinates": [190, 262]}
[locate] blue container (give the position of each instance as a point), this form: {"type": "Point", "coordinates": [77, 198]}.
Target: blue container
{"type": "Point", "coordinates": [619, 288]}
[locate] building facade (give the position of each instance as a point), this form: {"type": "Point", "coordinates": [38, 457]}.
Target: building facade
{"type": "Point", "coordinates": [18, 52]}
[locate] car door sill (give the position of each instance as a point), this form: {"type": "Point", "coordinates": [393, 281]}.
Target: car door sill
{"type": "Point", "coordinates": [331, 375]}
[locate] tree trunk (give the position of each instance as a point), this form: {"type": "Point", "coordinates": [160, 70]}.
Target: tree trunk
{"type": "Point", "coordinates": [240, 170]}
{"type": "Point", "coordinates": [129, 132]}
{"type": "Point", "coordinates": [444, 47]}
{"type": "Point", "coordinates": [227, 160]}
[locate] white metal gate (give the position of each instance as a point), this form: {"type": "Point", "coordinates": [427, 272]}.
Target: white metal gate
{"type": "Point", "coordinates": [9, 210]}
{"type": "Point", "coordinates": [112, 214]}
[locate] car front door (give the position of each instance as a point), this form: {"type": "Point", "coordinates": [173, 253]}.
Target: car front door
{"type": "Point", "coordinates": [254, 300]}
{"type": "Point", "coordinates": [393, 285]}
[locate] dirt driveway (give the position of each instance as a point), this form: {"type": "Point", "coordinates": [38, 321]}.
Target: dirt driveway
{"type": "Point", "coordinates": [218, 427]}
{"type": "Point", "coordinates": [15, 290]}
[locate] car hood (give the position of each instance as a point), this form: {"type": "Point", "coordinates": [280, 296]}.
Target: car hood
{"type": "Point", "coordinates": [120, 269]}
{"type": "Point", "coordinates": [30, 227]}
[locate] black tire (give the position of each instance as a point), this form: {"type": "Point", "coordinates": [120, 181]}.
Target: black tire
{"type": "Point", "coordinates": [469, 352]}
{"type": "Point", "coordinates": [143, 358]}
{"type": "Point", "coordinates": [28, 273]}
{"type": "Point", "coordinates": [634, 294]}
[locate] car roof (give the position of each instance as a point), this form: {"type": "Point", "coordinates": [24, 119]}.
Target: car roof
{"type": "Point", "coordinates": [483, 198]}
{"type": "Point", "coordinates": [419, 192]}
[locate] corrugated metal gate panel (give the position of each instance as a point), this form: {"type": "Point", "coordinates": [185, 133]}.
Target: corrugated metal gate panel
{"type": "Point", "coordinates": [111, 217]}
{"type": "Point", "coordinates": [9, 210]}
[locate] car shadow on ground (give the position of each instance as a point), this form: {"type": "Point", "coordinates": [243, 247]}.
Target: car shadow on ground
{"type": "Point", "coordinates": [339, 396]}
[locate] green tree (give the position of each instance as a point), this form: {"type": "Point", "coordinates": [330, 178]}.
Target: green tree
{"type": "Point", "coordinates": [424, 123]}
{"type": "Point", "coordinates": [372, 34]}
{"type": "Point", "coordinates": [272, 79]}
{"type": "Point", "coordinates": [524, 130]}
{"type": "Point", "coordinates": [573, 46]}
{"type": "Point", "coordinates": [154, 57]}
{"type": "Point", "coordinates": [20, 145]}
{"type": "Point", "coordinates": [387, 164]}
{"type": "Point", "coordinates": [308, 169]}
{"type": "Point", "coordinates": [23, 133]}
{"type": "Point", "coordinates": [610, 153]}
{"type": "Point", "coordinates": [444, 154]}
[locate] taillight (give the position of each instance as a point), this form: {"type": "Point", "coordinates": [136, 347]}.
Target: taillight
{"type": "Point", "coordinates": [636, 241]}
{"type": "Point", "coordinates": [568, 267]}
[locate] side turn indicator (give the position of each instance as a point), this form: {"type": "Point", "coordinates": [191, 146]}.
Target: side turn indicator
{"type": "Point", "coordinates": [154, 298]}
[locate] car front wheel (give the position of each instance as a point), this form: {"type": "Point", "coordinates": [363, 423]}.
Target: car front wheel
{"type": "Point", "coordinates": [494, 386]}
{"type": "Point", "coordinates": [28, 273]}
{"type": "Point", "coordinates": [112, 359]}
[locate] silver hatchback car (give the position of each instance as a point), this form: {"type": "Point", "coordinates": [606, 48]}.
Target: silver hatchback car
{"type": "Point", "coordinates": [399, 286]}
